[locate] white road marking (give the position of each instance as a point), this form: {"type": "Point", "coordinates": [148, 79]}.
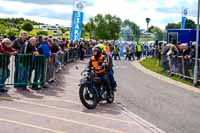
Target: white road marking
{"type": "Point", "coordinates": [61, 119]}
{"type": "Point", "coordinates": [31, 125]}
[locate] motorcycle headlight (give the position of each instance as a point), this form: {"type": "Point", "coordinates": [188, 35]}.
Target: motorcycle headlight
{"type": "Point", "coordinates": [84, 75]}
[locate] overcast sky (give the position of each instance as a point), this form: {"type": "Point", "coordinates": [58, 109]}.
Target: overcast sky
{"type": "Point", "coordinates": [161, 12]}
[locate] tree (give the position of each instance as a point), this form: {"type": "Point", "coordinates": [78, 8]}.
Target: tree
{"type": "Point", "coordinates": [63, 30]}
{"type": "Point", "coordinates": [190, 24]}
{"type": "Point", "coordinates": [157, 32]}
{"type": "Point", "coordinates": [2, 29]}
{"type": "Point", "coordinates": [11, 32]}
{"type": "Point", "coordinates": [173, 26]}
{"type": "Point", "coordinates": [105, 27]}
{"type": "Point", "coordinates": [45, 33]}
{"type": "Point", "coordinates": [148, 21]}
{"type": "Point", "coordinates": [135, 29]}
{"type": "Point", "coordinates": [27, 26]}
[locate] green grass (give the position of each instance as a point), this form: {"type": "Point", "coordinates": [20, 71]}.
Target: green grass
{"type": "Point", "coordinates": [153, 65]}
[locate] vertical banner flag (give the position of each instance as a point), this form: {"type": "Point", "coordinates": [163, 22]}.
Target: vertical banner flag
{"type": "Point", "coordinates": [184, 14]}
{"type": "Point", "coordinates": [77, 21]}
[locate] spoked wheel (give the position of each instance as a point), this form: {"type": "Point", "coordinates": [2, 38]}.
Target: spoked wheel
{"type": "Point", "coordinates": [111, 98]}
{"type": "Point", "coordinates": [88, 98]}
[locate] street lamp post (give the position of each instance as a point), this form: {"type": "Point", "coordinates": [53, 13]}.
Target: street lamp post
{"type": "Point", "coordinates": [197, 46]}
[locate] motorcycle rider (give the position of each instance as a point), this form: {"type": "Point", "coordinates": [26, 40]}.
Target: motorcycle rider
{"type": "Point", "coordinates": [116, 51]}
{"type": "Point", "coordinates": [99, 63]}
{"type": "Point", "coordinates": [110, 66]}
{"type": "Point", "coordinates": [129, 52]}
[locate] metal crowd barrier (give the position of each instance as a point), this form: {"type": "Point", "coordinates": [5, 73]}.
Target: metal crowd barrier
{"type": "Point", "coordinates": [22, 70]}
{"type": "Point", "coordinates": [57, 61]}
{"type": "Point", "coordinates": [184, 67]}
{"type": "Point", "coordinates": [88, 52]}
{"type": "Point", "coordinates": [73, 54]}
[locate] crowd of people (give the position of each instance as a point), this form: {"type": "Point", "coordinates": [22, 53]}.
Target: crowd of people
{"type": "Point", "coordinates": [38, 58]}
{"type": "Point", "coordinates": [131, 50]}
{"type": "Point", "coordinates": [176, 58]}
{"type": "Point", "coordinates": [41, 57]}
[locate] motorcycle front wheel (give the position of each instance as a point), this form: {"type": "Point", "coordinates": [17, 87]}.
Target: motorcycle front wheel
{"type": "Point", "coordinates": [88, 98]}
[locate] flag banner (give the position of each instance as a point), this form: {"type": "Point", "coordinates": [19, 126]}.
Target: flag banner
{"type": "Point", "coordinates": [77, 21]}
{"type": "Point", "coordinates": [184, 15]}
{"type": "Point", "coordinates": [183, 23]}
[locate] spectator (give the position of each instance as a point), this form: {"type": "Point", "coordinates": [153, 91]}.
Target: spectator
{"type": "Point", "coordinates": [5, 52]}
{"type": "Point", "coordinates": [81, 51]}
{"type": "Point", "coordinates": [185, 59]}
{"type": "Point", "coordinates": [172, 55]}
{"type": "Point", "coordinates": [25, 61]}
{"type": "Point", "coordinates": [18, 45]}
{"type": "Point", "coordinates": [164, 59]}
{"type": "Point", "coordinates": [44, 49]}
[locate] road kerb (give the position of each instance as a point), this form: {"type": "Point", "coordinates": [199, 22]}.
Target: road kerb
{"type": "Point", "coordinates": [150, 127]}
{"type": "Point", "coordinates": [165, 79]}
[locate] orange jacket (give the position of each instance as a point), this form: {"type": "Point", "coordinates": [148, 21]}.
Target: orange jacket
{"type": "Point", "coordinates": [97, 63]}
{"type": "Point", "coordinates": [107, 50]}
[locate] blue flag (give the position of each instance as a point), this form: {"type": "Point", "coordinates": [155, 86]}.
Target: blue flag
{"type": "Point", "coordinates": [77, 21]}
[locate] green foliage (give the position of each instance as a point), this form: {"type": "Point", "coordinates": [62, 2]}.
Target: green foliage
{"type": "Point", "coordinates": [135, 28]}
{"type": "Point", "coordinates": [15, 22]}
{"type": "Point", "coordinates": [45, 33]}
{"type": "Point", "coordinates": [11, 32]}
{"type": "Point", "coordinates": [63, 30]}
{"type": "Point", "coordinates": [27, 26]}
{"type": "Point", "coordinates": [103, 27]}
{"type": "Point", "coordinates": [2, 29]}
{"type": "Point", "coordinates": [173, 26]}
{"type": "Point", "coordinates": [190, 24]}
{"type": "Point", "coordinates": [146, 39]}
{"type": "Point", "coordinates": [157, 32]}
{"type": "Point", "coordinates": [153, 65]}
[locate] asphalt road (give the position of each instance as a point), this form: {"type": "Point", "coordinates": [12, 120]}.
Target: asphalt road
{"type": "Point", "coordinates": [58, 110]}
{"type": "Point", "coordinates": [170, 108]}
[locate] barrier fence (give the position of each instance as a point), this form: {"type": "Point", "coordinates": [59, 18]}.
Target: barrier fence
{"type": "Point", "coordinates": [183, 67]}
{"type": "Point", "coordinates": [23, 70]}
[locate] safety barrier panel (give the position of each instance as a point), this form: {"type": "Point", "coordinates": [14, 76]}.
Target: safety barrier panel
{"type": "Point", "coordinates": [21, 70]}
{"type": "Point", "coordinates": [88, 52]}
{"type": "Point", "coordinates": [183, 67]}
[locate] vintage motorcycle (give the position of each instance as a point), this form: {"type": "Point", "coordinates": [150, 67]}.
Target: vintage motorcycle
{"type": "Point", "coordinates": [93, 90]}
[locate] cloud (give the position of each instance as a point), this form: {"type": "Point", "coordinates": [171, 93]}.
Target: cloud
{"type": "Point", "coordinates": [6, 11]}
{"type": "Point", "coordinates": [51, 2]}
{"type": "Point", "coordinates": [44, 12]}
{"type": "Point", "coordinates": [161, 12]}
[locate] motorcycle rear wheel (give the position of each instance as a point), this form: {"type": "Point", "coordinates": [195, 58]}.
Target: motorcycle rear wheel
{"type": "Point", "coordinates": [111, 98]}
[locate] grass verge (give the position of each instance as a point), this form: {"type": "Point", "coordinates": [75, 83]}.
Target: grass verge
{"type": "Point", "coordinates": [153, 65]}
